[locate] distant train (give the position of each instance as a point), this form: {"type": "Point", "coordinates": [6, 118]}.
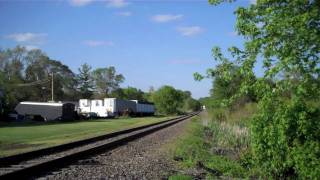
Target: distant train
{"type": "Point", "coordinates": [107, 107]}
{"type": "Point", "coordinates": [112, 107]}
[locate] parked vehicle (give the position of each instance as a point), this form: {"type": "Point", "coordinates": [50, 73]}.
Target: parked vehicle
{"type": "Point", "coordinates": [144, 108]}
{"type": "Point", "coordinates": [117, 107]}
{"type": "Point", "coordinates": [112, 107]}
{"type": "Point", "coordinates": [107, 107]}
{"type": "Point", "coordinates": [46, 111]}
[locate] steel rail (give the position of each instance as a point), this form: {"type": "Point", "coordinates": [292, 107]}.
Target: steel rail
{"type": "Point", "coordinates": [59, 162]}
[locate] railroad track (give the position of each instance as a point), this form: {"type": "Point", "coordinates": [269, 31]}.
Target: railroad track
{"type": "Point", "coordinates": [36, 163]}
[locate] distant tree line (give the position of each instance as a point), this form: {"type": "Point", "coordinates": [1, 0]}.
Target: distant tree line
{"type": "Point", "coordinates": [26, 76]}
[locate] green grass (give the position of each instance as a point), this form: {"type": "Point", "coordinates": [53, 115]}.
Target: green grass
{"type": "Point", "coordinates": [220, 146]}
{"type": "Point", "coordinates": [196, 147]}
{"type": "Point", "coordinates": [180, 177]}
{"type": "Point", "coordinates": [22, 137]}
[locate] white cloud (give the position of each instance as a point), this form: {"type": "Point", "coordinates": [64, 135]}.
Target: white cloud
{"type": "Point", "coordinates": [190, 30]}
{"type": "Point", "coordinates": [117, 3]}
{"type": "Point", "coordinates": [110, 3]}
{"type": "Point", "coordinates": [35, 38]}
{"type": "Point", "coordinates": [124, 13]}
{"type": "Point", "coordinates": [31, 47]}
{"type": "Point", "coordinates": [162, 18]}
{"type": "Point", "coordinates": [94, 43]}
{"type": "Point", "coordinates": [80, 2]}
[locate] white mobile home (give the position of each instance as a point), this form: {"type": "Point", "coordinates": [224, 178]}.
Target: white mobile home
{"type": "Point", "coordinates": [108, 107]}
{"type": "Point", "coordinates": [96, 106]}
{"type": "Point", "coordinates": [46, 111]}
{"type": "Point", "coordinates": [119, 106]}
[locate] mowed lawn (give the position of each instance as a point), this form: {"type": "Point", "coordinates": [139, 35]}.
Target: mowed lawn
{"type": "Point", "coordinates": [22, 137]}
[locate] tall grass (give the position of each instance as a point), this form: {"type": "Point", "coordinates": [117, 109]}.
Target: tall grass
{"type": "Point", "coordinates": [229, 140]}
{"type": "Point", "coordinates": [221, 145]}
{"type": "Point", "coordinates": [230, 134]}
{"type": "Point", "coordinates": [240, 116]}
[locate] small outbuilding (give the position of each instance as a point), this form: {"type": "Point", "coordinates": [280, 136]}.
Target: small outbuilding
{"type": "Point", "coordinates": [46, 111]}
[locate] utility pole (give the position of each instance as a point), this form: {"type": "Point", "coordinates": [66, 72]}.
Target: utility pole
{"type": "Point", "coordinates": [52, 87]}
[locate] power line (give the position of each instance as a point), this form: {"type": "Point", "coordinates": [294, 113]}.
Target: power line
{"type": "Point", "coordinates": [32, 83]}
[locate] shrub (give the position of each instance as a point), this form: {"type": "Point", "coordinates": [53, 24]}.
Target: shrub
{"type": "Point", "coordinates": [168, 100]}
{"type": "Point", "coordinates": [286, 138]}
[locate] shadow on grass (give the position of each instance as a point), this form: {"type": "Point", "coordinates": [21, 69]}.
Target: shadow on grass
{"type": "Point", "coordinates": [10, 146]}
{"type": "Point", "coordinates": [4, 124]}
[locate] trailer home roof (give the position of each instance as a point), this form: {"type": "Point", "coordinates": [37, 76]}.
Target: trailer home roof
{"type": "Point", "coordinates": [43, 103]}
{"type": "Point", "coordinates": [142, 102]}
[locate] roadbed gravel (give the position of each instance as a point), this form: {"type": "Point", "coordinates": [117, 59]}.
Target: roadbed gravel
{"type": "Point", "coordinates": [145, 158]}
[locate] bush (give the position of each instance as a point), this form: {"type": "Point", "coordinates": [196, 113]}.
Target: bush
{"type": "Point", "coordinates": [216, 148]}
{"type": "Point", "coordinates": [286, 138]}
{"type": "Point", "coordinates": [168, 100]}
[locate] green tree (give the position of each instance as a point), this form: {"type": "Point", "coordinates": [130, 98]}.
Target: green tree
{"type": "Point", "coordinates": [133, 93]}
{"type": "Point", "coordinates": [168, 100]}
{"type": "Point", "coordinates": [285, 36]}
{"type": "Point", "coordinates": [12, 64]}
{"type": "Point", "coordinates": [148, 96]}
{"type": "Point", "coordinates": [129, 93]}
{"type": "Point", "coordinates": [227, 80]}
{"type": "Point", "coordinates": [118, 93]}
{"type": "Point", "coordinates": [85, 81]}
{"type": "Point", "coordinates": [192, 105]}
{"type": "Point", "coordinates": [26, 76]}
{"type": "Point", "coordinates": [107, 80]}
{"type": "Point", "coordinates": [40, 68]}
{"type": "Point", "coordinates": [189, 104]}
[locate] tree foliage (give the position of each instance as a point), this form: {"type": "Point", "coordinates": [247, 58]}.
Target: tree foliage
{"type": "Point", "coordinates": [227, 80]}
{"type": "Point", "coordinates": [129, 93]}
{"type": "Point", "coordinates": [168, 100]}
{"type": "Point", "coordinates": [107, 80]}
{"type": "Point", "coordinates": [285, 36]}
{"type": "Point", "coordinates": [85, 81]}
{"type": "Point", "coordinates": [189, 104]}
{"type": "Point", "coordinates": [26, 76]}
{"type": "Point", "coordinates": [192, 105]}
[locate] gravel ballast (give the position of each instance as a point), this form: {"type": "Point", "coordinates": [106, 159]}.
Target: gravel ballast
{"type": "Point", "coordinates": [145, 158]}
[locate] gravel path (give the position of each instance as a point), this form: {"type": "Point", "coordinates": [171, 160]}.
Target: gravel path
{"type": "Point", "coordinates": [145, 158]}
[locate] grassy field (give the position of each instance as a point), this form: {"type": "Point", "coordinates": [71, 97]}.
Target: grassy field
{"type": "Point", "coordinates": [217, 142]}
{"type": "Point", "coordinates": [22, 137]}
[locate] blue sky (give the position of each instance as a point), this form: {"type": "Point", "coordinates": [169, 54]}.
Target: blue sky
{"type": "Point", "coordinates": [152, 43]}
